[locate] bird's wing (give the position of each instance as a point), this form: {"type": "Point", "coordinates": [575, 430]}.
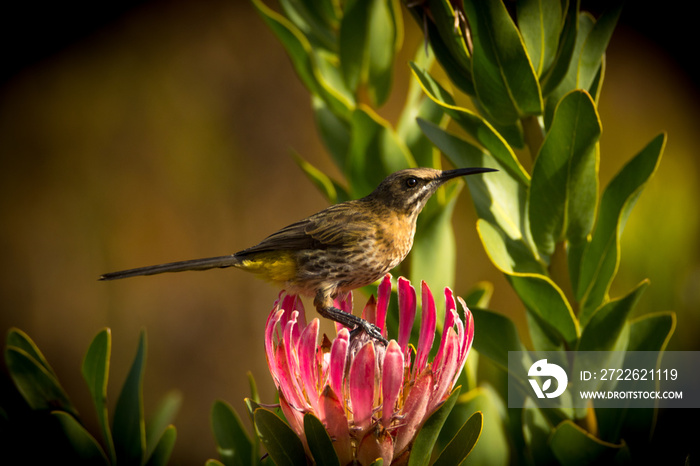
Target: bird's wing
{"type": "Point", "coordinates": [332, 227]}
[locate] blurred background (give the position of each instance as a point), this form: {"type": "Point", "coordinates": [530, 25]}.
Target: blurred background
{"type": "Point", "coordinates": [149, 132]}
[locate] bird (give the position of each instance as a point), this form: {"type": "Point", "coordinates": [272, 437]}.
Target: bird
{"type": "Point", "coordinates": [338, 249]}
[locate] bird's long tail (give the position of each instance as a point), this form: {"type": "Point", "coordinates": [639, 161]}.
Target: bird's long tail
{"type": "Point", "coordinates": [195, 264]}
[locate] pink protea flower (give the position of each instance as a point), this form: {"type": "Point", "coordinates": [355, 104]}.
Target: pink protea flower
{"type": "Point", "coordinates": [372, 399]}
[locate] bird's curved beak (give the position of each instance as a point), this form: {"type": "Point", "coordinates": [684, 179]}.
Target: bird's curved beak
{"type": "Point", "coordinates": [449, 174]}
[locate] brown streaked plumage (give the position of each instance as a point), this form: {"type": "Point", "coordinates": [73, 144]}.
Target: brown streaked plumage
{"type": "Point", "coordinates": [343, 247]}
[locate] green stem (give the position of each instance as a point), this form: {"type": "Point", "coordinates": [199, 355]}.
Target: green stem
{"type": "Point", "coordinates": [590, 422]}
{"type": "Point", "coordinates": [534, 135]}
{"type": "Point", "coordinates": [559, 273]}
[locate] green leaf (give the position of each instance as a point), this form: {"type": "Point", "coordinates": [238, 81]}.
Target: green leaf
{"type": "Point", "coordinates": [541, 296]}
{"type": "Point", "coordinates": [334, 131]}
{"type": "Point", "coordinates": [325, 12]}
{"type": "Point", "coordinates": [495, 335]}
{"type": "Point", "coordinates": [540, 22]}
{"type": "Point", "coordinates": [443, 14]}
{"type": "Point", "coordinates": [363, 166]}
{"type": "Point", "coordinates": [95, 371]}
{"type": "Point", "coordinates": [319, 442]}
{"type": "Point", "coordinates": [330, 189]}
{"type": "Point", "coordinates": [331, 85]}
{"type": "Point", "coordinates": [18, 339]}
{"type": "Point", "coordinates": [504, 78]}
{"type": "Point", "coordinates": [574, 446]}
{"type": "Point", "coordinates": [370, 33]}
{"type": "Point", "coordinates": [301, 54]}
{"type": "Point", "coordinates": [310, 18]}
{"type": "Point", "coordinates": [591, 58]}
{"type": "Point", "coordinates": [587, 60]}
{"type": "Point", "coordinates": [536, 431]}
{"type": "Point", "coordinates": [280, 441]}
{"type": "Point", "coordinates": [494, 443]}
{"type": "Point", "coordinates": [460, 74]}
{"type": "Point", "coordinates": [352, 42]}
{"type": "Point", "coordinates": [232, 440]}
{"type": "Point", "coordinates": [424, 153]}
{"type": "Point", "coordinates": [567, 42]}
{"type": "Point", "coordinates": [375, 151]}
{"type": "Point", "coordinates": [547, 303]}
{"type": "Point", "coordinates": [129, 427]}
{"type": "Point", "coordinates": [564, 188]}
{"type": "Point", "coordinates": [601, 257]}
{"type": "Point", "coordinates": [479, 295]}
{"type": "Point", "coordinates": [603, 328]}
{"type": "Point", "coordinates": [385, 37]}
{"type": "Point", "coordinates": [86, 449]}
{"type": "Point", "coordinates": [418, 106]}
{"type": "Point", "coordinates": [481, 130]}
{"type": "Point", "coordinates": [254, 395]}
{"type": "Point", "coordinates": [294, 42]}
{"type": "Point", "coordinates": [164, 448]}
{"type": "Point", "coordinates": [569, 80]}
{"type": "Point", "coordinates": [427, 435]}
{"type": "Point", "coordinates": [498, 197]}
{"type": "Point", "coordinates": [462, 444]}
{"type": "Point", "coordinates": [432, 257]}
{"type": "Point", "coordinates": [161, 421]}
{"type": "Point", "coordinates": [511, 256]}
{"type": "Point", "coordinates": [37, 384]}
{"type": "Point", "coordinates": [651, 332]}
{"type": "Point", "coordinates": [250, 405]}
{"type": "Point", "coordinates": [550, 315]}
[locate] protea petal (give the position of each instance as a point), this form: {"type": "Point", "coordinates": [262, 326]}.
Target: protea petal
{"type": "Point", "coordinates": [450, 308]}
{"type": "Point", "coordinates": [450, 317]}
{"type": "Point", "coordinates": [369, 313]}
{"type": "Point", "coordinates": [292, 359]}
{"type": "Point", "coordinates": [392, 381]}
{"type": "Point", "coordinates": [332, 414]}
{"type": "Point", "coordinates": [361, 383]}
{"type": "Point", "coordinates": [343, 302]}
{"type": "Point", "coordinates": [286, 380]}
{"type": "Point", "coordinates": [427, 328]}
{"type": "Point", "coordinates": [407, 312]}
{"type": "Point", "coordinates": [383, 293]}
{"type": "Point", "coordinates": [299, 307]}
{"type": "Point", "coordinates": [290, 303]}
{"type": "Point", "coordinates": [308, 366]}
{"type": "Point", "coordinates": [375, 445]}
{"type": "Point", "coordinates": [294, 417]}
{"type": "Point", "coordinates": [468, 331]}
{"type": "Point", "coordinates": [414, 411]}
{"type": "Point", "coordinates": [338, 359]}
{"type": "Point", "coordinates": [275, 308]}
{"type": "Point", "coordinates": [272, 321]}
{"type": "Point", "coordinates": [446, 372]}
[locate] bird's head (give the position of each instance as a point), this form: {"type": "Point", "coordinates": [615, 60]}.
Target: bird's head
{"type": "Point", "coordinates": [407, 191]}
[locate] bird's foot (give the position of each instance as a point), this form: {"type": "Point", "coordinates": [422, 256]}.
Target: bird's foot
{"type": "Point", "coordinates": [371, 330]}
{"type": "Point", "coordinates": [357, 324]}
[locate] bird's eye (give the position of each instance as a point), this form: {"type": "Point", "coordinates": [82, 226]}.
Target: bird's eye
{"type": "Point", "coordinates": [411, 182]}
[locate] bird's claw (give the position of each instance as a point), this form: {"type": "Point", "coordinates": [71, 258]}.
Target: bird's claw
{"type": "Point", "coordinates": [371, 330]}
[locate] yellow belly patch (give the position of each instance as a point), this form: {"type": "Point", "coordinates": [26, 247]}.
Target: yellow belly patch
{"type": "Point", "coordinates": [278, 266]}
